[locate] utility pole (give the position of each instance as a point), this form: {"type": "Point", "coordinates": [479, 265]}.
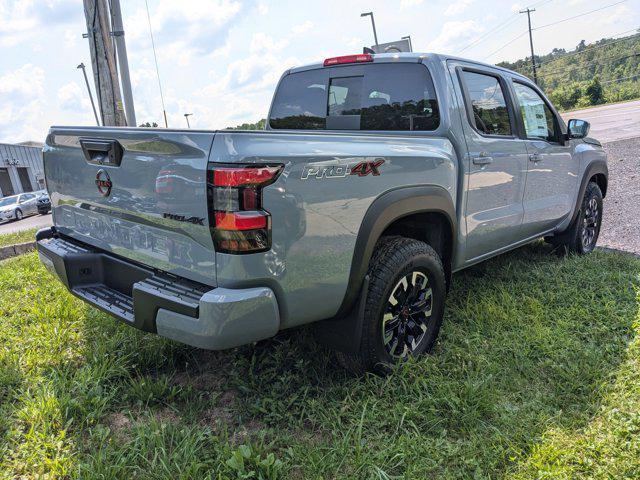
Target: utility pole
{"type": "Point", "coordinates": [533, 57]}
{"type": "Point", "coordinates": [186, 116]}
{"type": "Point", "coordinates": [373, 24]}
{"type": "Point", "coordinates": [123, 63]}
{"type": "Point", "coordinates": [103, 63]}
{"type": "Point", "coordinates": [86, 81]}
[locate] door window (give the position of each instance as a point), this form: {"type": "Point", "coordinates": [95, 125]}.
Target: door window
{"type": "Point", "coordinates": [539, 121]}
{"type": "Point", "coordinates": [488, 107]}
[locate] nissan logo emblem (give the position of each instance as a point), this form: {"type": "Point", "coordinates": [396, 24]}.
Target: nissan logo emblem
{"type": "Point", "coordinates": [103, 182]}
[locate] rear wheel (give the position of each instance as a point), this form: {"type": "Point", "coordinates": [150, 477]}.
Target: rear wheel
{"type": "Point", "coordinates": [404, 306]}
{"type": "Point", "coordinates": [583, 234]}
{"type": "Point", "coordinates": [18, 214]}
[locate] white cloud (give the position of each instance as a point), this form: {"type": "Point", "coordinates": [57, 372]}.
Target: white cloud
{"type": "Point", "coordinates": [263, 8]}
{"type": "Point", "coordinates": [22, 96]}
{"type": "Point", "coordinates": [353, 42]}
{"type": "Point", "coordinates": [26, 81]}
{"type": "Point", "coordinates": [72, 98]}
{"type": "Point", "coordinates": [261, 42]}
{"type": "Point", "coordinates": [454, 35]}
{"type": "Point", "coordinates": [410, 3]}
{"type": "Point", "coordinates": [457, 7]}
{"type": "Point", "coordinates": [302, 28]}
{"type": "Point", "coordinates": [21, 20]}
{"type": "Point", "coordinates": [70, 38]}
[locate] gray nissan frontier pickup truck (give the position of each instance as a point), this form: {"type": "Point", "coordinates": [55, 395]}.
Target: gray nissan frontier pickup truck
{"type": "Point", "coordinates": [376, 178]}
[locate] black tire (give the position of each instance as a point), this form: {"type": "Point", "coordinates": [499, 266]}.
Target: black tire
{"type": "Point", "coordinates": [582, 236]}
{"type": "Point", "coordinates": [395, 260]}
{"type": "Point", "coordinates": [19, 215]}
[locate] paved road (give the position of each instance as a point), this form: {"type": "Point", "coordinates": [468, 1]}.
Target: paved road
{"type": "Point", "coordinates": [611, 122]}
{"type": "Point", "coordinates": [36, 221]}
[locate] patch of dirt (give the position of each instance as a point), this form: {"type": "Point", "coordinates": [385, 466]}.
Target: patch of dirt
{"type": "Point", "coordinates": [217, 418]}
{"type": "Point", "coordinates": [208, 372]}
{"type": "Point", "coordinates": [227, 398]}
{"type": "Point", "coordinates": [247, 431]}
{"type": "Point", "coordinates": [118, 421]}
{"type": "Point", "coordinates": [166, 415]}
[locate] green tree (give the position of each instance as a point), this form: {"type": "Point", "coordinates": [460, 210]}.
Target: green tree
{"type": "Point", "coordinates": [594, 92]}
{"type": "Point", "coordinates": [259, 125]}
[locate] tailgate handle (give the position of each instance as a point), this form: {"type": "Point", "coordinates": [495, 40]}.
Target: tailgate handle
{"type": "Point", "coordinates": [100, 151]}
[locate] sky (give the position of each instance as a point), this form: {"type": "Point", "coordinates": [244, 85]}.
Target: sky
{"type": "Point", "coordinates": [221, 59]}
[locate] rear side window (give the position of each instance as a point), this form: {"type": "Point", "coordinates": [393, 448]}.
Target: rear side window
{"type": "Point", "coordinates": [488, 104]}
{"type": "Point", "coordinates": [371, 97]}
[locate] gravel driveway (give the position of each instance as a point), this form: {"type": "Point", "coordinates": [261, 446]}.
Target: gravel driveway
{"type": "Point", "coordinates": [621, 221]}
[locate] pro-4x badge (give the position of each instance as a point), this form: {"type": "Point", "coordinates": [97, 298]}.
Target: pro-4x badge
{"type": "Point", "coordinates": [336, 170]}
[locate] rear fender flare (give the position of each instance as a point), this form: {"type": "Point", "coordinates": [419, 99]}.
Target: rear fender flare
{"type": "Point", "coordinates": [385, 210]}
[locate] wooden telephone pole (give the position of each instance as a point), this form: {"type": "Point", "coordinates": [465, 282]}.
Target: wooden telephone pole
{"type": "Point", "coordinates": [529, 11]}
{"type": "Point", "coordinates": [103, 62]}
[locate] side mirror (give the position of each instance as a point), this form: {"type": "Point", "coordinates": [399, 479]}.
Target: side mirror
{"type": "Point", "coordinates": [578, 128]}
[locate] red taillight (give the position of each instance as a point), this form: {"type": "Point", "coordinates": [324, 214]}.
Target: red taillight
{"type": "Point", "coordinates": [238, 222]}
{"type": "Point", "coordinates": [241, 220]}
{"type": "Point", "coordinates": [360, 58]}
{"type": "Point", "coordinates": [239, 177]}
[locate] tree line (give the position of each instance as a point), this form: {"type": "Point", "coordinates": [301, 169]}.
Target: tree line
{"type": "Point", "coordinates": [591, 74]}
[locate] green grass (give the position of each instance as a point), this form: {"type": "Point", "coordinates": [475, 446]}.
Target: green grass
{"type": "Point", "coordinates": [18, 237]}
{"type": "Point", "coordinates": [536, 375]}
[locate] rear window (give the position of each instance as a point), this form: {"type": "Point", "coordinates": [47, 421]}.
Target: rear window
{"type": "Point", "coordinates": [359, 97]}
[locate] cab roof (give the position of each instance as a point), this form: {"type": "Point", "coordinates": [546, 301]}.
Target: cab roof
{"type": "Point", "coordinates": [410, 57]}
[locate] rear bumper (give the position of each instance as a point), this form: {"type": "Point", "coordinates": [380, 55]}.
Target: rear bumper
{"type": "Point", "coordinates": [152, 301]}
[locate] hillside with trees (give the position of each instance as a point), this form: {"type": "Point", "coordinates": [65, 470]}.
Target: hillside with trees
{"type": "Point", "coordinates": [602, 72]}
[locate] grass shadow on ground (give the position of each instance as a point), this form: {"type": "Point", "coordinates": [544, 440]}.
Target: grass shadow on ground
{"type": "Point", "coordinates": [531, 343]}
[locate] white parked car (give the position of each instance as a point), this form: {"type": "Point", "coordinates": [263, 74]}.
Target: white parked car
{"type": "Point", "coordinates": [16, 207]}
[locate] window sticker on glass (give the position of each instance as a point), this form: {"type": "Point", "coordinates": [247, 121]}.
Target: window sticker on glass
{"type": "Point", "coordinates": [536, 115]}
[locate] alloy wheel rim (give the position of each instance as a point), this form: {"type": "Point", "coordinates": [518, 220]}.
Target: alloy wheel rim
{"type": "Point", "coordinates": [407, 314]}
{"type": "Point", "coordinates": [590, 223]}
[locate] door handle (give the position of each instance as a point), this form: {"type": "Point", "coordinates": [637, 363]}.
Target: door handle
{"type": "Point", "coordinates": [482, 159]}
{"type": "Point", "coordinates": [99, 151]}
{"type": "Point", "coordinates": [535, 157]}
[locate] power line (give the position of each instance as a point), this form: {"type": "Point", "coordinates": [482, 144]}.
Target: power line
{"type": "Point", "coordinates": [501, 26]}
{"type": "Point", "coordinates": [155, 58]}
{"type": "Point", "coordinates": [621, 79]}
{"type": "Point", "coordinates": [507, 44]}
{"type": "Point", "coordinates": [600, 60]}
{"type": "Point", "coordinates": [580, 15]}
{"type": "Point", "coordinates": [483, 37]}
{"type": "Point", "coordinates": [589, 48]}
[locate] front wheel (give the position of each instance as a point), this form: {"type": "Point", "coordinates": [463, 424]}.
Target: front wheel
{"type": "Point", "coordinates": [18, 214]}
{"type": "Point", "coordinates": [404, 306]}
{"type": "Point", "coordinates": [583, 234]}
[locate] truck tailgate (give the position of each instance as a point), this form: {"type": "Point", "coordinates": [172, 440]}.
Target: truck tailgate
{"type": "Point", "coordinates": [140, 194]}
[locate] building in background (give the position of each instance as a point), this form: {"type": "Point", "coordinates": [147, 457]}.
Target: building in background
{"type": "Point", "coordinates": [21, 168]}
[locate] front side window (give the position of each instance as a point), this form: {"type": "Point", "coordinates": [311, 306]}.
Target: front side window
{"type": "Point", "coordinates": [371, 97]}
{"type": "Point", "coordinates": [539, 121]}
{"type": "Point", "coordinates": [488, 104]}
